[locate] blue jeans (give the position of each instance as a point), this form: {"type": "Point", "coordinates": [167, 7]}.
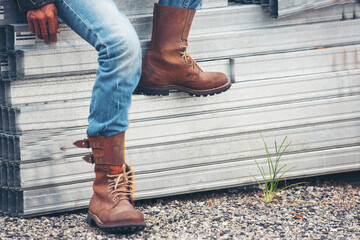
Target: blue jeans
{"type": "Point", "coordinates": [107, 29]}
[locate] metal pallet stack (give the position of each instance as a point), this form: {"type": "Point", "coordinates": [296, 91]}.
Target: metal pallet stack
{"type": "Point", "coordinates": [283, 8]}
{"type": "Point", "coordinates": [296, 76]}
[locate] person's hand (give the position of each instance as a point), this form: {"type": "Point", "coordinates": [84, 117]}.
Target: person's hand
{"type": "Point", "coordinates": [44, 22]}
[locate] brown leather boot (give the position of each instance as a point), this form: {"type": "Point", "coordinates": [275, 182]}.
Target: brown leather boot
{"type": "Point", "coordinates": [111, 207]}
{"type": "Point", "coordinates": [167, 66]}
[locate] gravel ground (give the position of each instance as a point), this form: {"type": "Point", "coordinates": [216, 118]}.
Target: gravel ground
{"type": "Point", "coordinates": [322, 209]}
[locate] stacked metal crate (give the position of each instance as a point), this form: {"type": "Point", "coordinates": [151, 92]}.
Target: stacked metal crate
{"type": "Point", "coordinates": [296, 76]}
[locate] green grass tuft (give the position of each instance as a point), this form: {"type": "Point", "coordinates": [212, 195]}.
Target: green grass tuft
{"type": "Point", "coordinates": [270, 186]}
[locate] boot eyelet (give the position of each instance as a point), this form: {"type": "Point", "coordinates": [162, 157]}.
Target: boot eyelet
{"type": "Point", "coordinates": [114, 199]}
{"type": "Point", "coordinates": [108, 190]}
{"type": "Point", "coordinates": [185, 61]}
{"type": "Point", "coordinates": [110, 195]}
{"type": "Point", "coordinates": [181, 46]}
{"type": "Point", "coordinates": [105, 168]}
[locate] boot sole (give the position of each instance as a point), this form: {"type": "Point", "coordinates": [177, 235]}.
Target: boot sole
{"type": "Point", "coordinates": [115, 228]}
{"type": "Point", "coordinates": [164, 91]}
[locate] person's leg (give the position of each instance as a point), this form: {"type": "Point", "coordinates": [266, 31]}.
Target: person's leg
{"type": "Point", "coordinates": [189, 4]}
{"type": "Point", "coordinates": [110, 32]}
{"type": "Point", "coordinates": [166, 65]}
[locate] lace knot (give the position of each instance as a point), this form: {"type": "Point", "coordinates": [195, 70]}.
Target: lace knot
{"type": "Point", "coordinates": [121, 184]}
{"type": "Point", "coordinates": [185, 56]}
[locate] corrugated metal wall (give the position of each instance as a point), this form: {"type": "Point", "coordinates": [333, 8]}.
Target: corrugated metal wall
{"type": "Point", "coordinates": [297, 76]}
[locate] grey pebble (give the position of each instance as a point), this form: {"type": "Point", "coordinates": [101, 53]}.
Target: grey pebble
{"type": "Point", "coordinates": [302, 212]}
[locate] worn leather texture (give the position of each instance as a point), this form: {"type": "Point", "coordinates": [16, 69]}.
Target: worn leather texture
{"type": "Point", "coordinates": [109, 150]}
{"type": "Point", "coordinates": [164, 64]}
{"type": "Point", "coordinates": [107, 209]}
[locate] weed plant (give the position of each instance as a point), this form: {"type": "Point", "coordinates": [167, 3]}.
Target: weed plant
{"type": "Point", "coordinates": [276, 172]}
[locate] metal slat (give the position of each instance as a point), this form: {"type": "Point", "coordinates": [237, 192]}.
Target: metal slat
{"type": "Point", "coordinates": [194, 152]}
{"type": "Point", "coordinates": [320, 60]}
{"type": "Point", "coordinates": [72, 87]}
{"type": "Point", "coordinates": [74, 196]}
{"type": "Point", "coordinates": [288, 7]}
{"type": "Point", "coordinates": [36, 62]}
{"type": "Point", "coordinates": [253, 42]}
{"type": "Point", "coordinates": [214, 3]}
{"type": "Point", "coordinates": [225, 19]}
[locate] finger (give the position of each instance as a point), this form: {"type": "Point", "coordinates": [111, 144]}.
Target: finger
{"type": "Point", "coordinates": [29, 17]}
{"type": "Point", "coordinates": [52, 26]}
{"type": "Point", "coordinates": [31, 26]}
{"type": "Point", "coordinates": [44, 31]}
{"type": "Point", "coordinates": [37, 29]}
{"type": "Point", "coordinates": [57, 21]}
{"type": "Point", "coordinates": [57, 25]}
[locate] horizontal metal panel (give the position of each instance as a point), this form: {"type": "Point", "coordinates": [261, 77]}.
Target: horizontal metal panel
{"type": "Point", "coordinates": [288, 7]}
{"type": "Point", "coordinates": [214, 3]}
{"type": "Point", "coordinates": [35, 62]}
{"type": "Point", "coordinates": [320, 60]}
{"type": "Point", "coordinates": [262, 41]}
{"type": "Point", "coordinates": [240, 146]}
{"type": "Point", "coordinates": [68, 197]}
{"type": "Point", "coordinates": [225, 19]}
{"type": "Point", "coordinates": [45, 90]}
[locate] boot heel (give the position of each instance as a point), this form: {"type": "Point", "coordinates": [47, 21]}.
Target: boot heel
{"type": "Point", "coordinates": [152, 91]}
{"type": "Point", "coordinates": [90, 220]}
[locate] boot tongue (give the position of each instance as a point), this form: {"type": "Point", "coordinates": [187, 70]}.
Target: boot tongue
{"type": "Point", "coordinates": [115, 170]}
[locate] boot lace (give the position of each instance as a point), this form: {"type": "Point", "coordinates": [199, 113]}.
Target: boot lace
{"type": "Point", "coordinates": [185, 56]}
{"type": "Point", "coordinates": [121, 184]}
